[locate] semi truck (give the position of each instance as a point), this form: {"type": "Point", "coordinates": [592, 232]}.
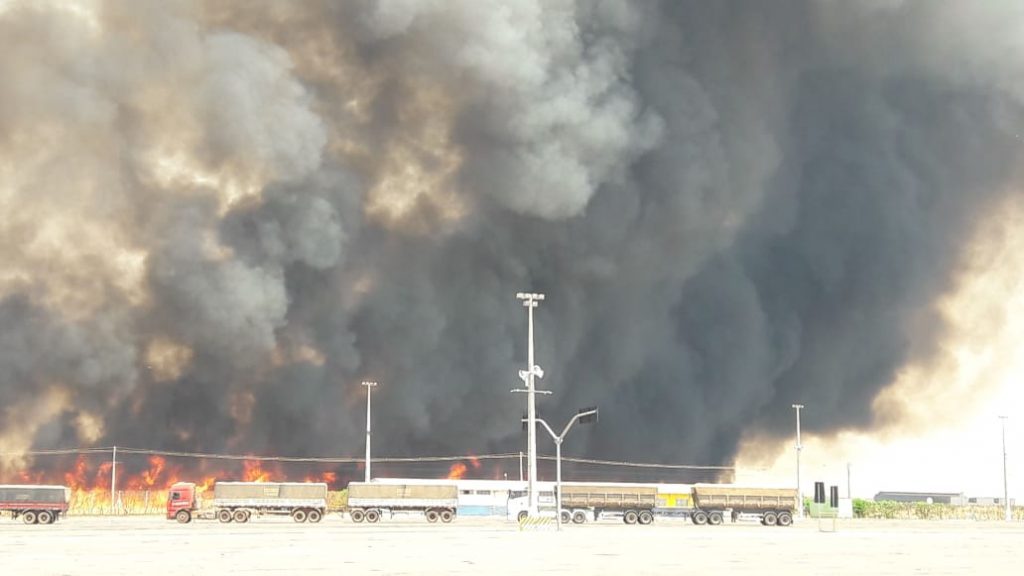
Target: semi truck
{"type": "Point", "coordinates": [35, 504]}
{"type": "Point", "coordinates": [774, 506]}
{"type": "Point", "coordinates": [239, 501]}
{"type": "Point", "coordinates": [371, 501]}
{"type": "Point", "coordinates": [633, 503]}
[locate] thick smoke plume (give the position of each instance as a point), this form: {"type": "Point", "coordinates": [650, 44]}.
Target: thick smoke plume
{"type": "Point", "coordinates": [218, 217]}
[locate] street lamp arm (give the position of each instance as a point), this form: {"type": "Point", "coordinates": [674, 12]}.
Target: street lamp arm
{"type": "Point", "coordinates": [554, 436]}
{"type": "Point", "coordinates": [568, 426]}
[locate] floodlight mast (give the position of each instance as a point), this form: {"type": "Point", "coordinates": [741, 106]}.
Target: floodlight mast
{"type": "Point", "coordinates": [530, 301]}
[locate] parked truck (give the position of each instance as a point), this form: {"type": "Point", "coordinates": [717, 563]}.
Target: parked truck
{"type": "Point", "coordinates": [774, 506]}
{"type": "Point", "coordinates": [371, 501]}
{"type": "Point", "coordinates": [239, 501]}
{"type": "Point", "coordinates": [35, 504]}
{"type": "Point", "coordinates": [635, 504]}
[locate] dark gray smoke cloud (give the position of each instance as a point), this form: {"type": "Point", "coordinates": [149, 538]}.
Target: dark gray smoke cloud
{"type": "Point", "coordinates": [219, 217]}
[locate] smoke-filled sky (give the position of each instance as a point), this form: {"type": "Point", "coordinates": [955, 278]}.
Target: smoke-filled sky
{"type": "Point", "coordinates": [217, 218]}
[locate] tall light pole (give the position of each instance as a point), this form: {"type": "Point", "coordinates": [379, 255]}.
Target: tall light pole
{"type": "Point", "coordinates": [531, 301]}
{"type": "Point", "coordinates": [113, 481]}
{"type": "Point", "coordinates": [584, 416]}
{"type": "Point", "coordinates": [1006, 488]}
{"type": "Point", "coordinates": [369, 392]}
{"type": "Point", "coordinates": [799, 447]}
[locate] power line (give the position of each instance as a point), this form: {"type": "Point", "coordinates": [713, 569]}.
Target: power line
{"type": "Point", "coordinates": [57, 452]}
{"type": "Point", "coordinates": [355, 460]}
{"type": "Point", "coordinates": [639, 464]}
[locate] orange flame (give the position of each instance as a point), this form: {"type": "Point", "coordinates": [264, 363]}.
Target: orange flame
{"type": "Point", "coordinates": [156, 467]}
{"type": "Point", "coordinates": [254, 472]}
{"type": "Point", "coordinates": [76, 477]}
{"type": "Point", "coordinates": [457, 471]}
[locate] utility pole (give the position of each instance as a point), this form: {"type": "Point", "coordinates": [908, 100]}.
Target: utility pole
{"type": "Point", "coordinates": [531, 301]}
{"type": "Point", "coordinates": [369, 392]}
{"type": "Point", "coordinates": [799, 447]}
{"type": "Point", "coordinates": [1006, 487]}
{"type": "Point", "coordinates": [113, 482]}
{"type": "Point", "coordinates": [849, 489]}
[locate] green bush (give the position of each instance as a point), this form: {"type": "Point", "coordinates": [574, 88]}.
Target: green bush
{"type": "Point", "coordinates": [924, 511]}
{"type": "Point", "coordinates": [860, 507]}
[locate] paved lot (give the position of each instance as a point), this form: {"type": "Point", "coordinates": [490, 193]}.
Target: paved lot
{"type": "Point", "coordinates": [148, 546]}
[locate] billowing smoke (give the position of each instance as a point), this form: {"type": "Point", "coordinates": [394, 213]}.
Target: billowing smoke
{"type": "Point", "coordinates": [218, 217]}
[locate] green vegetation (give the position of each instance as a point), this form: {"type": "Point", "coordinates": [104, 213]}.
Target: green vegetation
{"type": "Point", "coordinates": [920, 510]}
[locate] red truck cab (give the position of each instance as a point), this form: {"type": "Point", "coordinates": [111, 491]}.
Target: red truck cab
{"type": "Point", "coordinates": [181, 502]}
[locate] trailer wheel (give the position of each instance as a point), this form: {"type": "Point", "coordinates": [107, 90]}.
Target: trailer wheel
{"type": "Point", "coordinates": [314, 516]}
{"type": "Point", "coordinates": [645, 517]}
{"type": "Point", "coordinates": [579, 517]}
{"type": "Point", "coordinates": [183, 517]}
{"type": "Point", "coordinates": [44, 517]}
{"type": "Point", "coordinates": [299, 515]}
{"type": "Point", "coordinates": [700, 518]}
{"type": "Point", "coordinates": [372, 516]}
{"type": "Point", "coordinates": [770, 519]}
{"type": "Point", "coordinates": [241, 516]}
{"type": "Point", "coordinates": [29, 517]}
{"type": "Point", "coordinates": [715, 518]}
{"type": "Point", "coordinates": [447, 515]}
{"type": "Point", "coordinates": [630, 517]}
{"type": "Point", "coordinates": [224, 515]}
{"type": "Point", "coordinates": [357, 515]}
{"type": "Point", "coordinates": [785, 519]}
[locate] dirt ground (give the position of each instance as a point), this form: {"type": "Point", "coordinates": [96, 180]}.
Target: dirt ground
{"type": "Point", "coordinates": [148, 545]}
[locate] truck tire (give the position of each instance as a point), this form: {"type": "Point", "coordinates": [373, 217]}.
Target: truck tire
{"type": "Point", "coordinates": [645, 517]}
{"type": "Point", "coordinates": [183, 517]}
{"type": "Point", "coordinates": [224, 515]}
{"type": "Point", "coordinates": [447, 515]}
{"type": "Point", "coordinates": [357, 515]}
{"type": "Point", "coordinates": [29, 517]}
{"type": "Point", "coordinates": [299, 515]}
{"type": "Point", "coordinates": [785, 519]}
{"type": "Point", "coordinates": [770, 519]}
{"type": "Point", "coordinates": [566, 517]}
{"type": "Point", "coordinates": [432, 515]}
{"type": "Point", "coordinates": [372, 516]}
{"type": "Point", "coordinates": [579, 517]}
{"type": "Point", "coordinates": [523, 515]}
{"type": "Point", "coordinates": [44, 517]}
{"type": "Point", "coordinates": [241, 516]}
{"type": "Point", "coordinates": [715, 518]}
{"type": "Point", "coordinates": [630, 517]}
{"type": "Point", "coordinates": [699, 518]}
{"type": "Point", "coordinates": [314, 516]}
